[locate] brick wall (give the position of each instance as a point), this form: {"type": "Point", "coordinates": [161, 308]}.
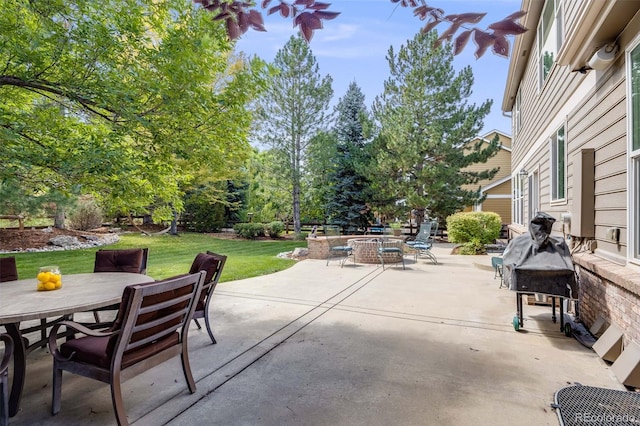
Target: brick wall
{"type": "Point", "coordinates": [364, 253]}
{"type": "Point", "coordinates": [611, 291]}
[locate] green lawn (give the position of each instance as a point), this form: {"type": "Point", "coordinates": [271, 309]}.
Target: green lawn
{"type": "Point", "coordinates": [172, 255]}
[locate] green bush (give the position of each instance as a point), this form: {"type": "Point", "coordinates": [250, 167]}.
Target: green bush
{"type": "Point", "coordinates": [87, 215]}
{"type": "Point", "coordinates": [472, 248]}
{"type": "Point", "coordinates": [274, 229]}
{"type": "Point", "coordinates": [249, 230]}
{"type": "Point", "coordinates": [478, 228]}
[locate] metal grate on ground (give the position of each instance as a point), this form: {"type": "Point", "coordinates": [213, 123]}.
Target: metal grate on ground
{"type": "Point", "coordinates": [586, 405]}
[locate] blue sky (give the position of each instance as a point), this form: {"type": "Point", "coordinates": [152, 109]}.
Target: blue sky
{"type": "Point", "coordinates": [353, 47]}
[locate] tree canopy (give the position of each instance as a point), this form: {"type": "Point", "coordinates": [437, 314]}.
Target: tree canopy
{"type": "Point", "coordinates": [123, 99]}
{"type": "Point", "coordinates": [308, 16]}
{"type": "Point", "coordinates": [426, 122]}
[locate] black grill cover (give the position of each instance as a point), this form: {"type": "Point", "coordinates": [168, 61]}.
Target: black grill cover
{"type": "Point", "coordinates": [539, 263]}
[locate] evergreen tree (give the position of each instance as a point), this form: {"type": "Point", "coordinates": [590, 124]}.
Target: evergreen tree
{"type": "Point", "coordinates": [348, 190]}
{"type": "Point", "coordinates": [293, 111]}
{"type": "Point", "coordinates": [425, 122]}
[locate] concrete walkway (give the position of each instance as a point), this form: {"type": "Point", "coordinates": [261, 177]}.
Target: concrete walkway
{"type": "Point", "coordinates": [324, 345]}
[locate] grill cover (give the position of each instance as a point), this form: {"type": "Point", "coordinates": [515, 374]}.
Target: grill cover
{"type": "Point", "coordinates": [539, 263]}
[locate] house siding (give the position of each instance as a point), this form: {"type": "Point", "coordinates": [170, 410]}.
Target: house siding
{"type": "Point", "coordinates": [593, 108]}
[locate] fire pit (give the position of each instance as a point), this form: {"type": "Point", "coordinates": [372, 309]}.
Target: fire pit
{"type": "Point", "coordinates": [365, 250]}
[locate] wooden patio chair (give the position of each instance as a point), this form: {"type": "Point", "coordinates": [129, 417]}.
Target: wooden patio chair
{"type": "Point", "coordinates": [119, 260]}
{"type": "Point", "coordinates": [4, 378]}
{"type": "Point", "coordinates": [151, 328]}
{"type": "Point", "coordinates": [212, 264]}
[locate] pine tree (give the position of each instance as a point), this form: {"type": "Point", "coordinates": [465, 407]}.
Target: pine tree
{"type": "Point", "coordinates": [293, 111]}
{"type": "Point", "coordinates": [348, 187]}
{"type": "Point", "coordinates": [425, 122]}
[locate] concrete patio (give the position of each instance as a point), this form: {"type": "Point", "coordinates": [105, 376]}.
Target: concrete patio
{"type": "Point", "coordinates": [324, 345]}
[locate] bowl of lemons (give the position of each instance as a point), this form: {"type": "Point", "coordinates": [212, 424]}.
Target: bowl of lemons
{"type": "Point", "coordinates": [49, 278]}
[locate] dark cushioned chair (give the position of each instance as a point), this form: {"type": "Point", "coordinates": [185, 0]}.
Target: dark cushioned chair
{"type": "Point", "coordinates": [8, 269]}
{"type": "Point", "coordinates": [151, 328]}
{"type": "Point", "coordinates": [212, 264]}
{"type": "Point", "coordinates": [122, 260]}
{"type": "Point", "coordinates": [4, 379]}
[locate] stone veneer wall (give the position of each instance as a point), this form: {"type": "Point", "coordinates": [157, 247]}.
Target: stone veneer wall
{"type": "Point", "coordinates": [611, 291]}
{"type": "Point", "coordinates": [319, 249]}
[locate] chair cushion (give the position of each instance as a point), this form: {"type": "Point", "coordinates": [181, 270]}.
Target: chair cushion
{"type": "Point", "coordinates": [204, 262]}
{"type": "Point", "coordinates": [93, 350]}
{"type": "Point", "coordinates": [342, 248]}
{"type": "Point", "coordinates": [8, 269]}
{"type": "Point", "coordinates": [208, 263]}
{"type": "Point", "coordinates": [127, 260]}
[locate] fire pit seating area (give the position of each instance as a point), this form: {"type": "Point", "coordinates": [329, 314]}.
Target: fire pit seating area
{"type": "Point", "coordinates": [365, 249]}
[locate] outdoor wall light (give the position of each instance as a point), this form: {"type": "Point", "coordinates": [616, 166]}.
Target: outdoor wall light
{"type": "Point", "coordinates": [523, 173]}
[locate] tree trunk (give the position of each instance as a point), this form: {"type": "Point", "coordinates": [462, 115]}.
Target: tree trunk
{"type": "Point", "coordinates": [173, 229]}
{"type": "Point", "coordinates": [419, 217]}
{"type": "Point", "coordinates": [58, 220]}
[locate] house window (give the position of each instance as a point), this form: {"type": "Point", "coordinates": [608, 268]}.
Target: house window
{"type": "Point", "coordinates": [634, 153]}
{"type": "Point", "coordinates": [550, 37]}
{"type": "Point", "coordinates": [517, 208]}
{"type": "Point", "coordinates": [558, 165]}
{"type": "Point", "coordinates": [516, 114]}
{"type": "Point", "coordinates": [534, 195]}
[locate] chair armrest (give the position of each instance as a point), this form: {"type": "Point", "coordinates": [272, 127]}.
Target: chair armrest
{"type": "Point", "coordinates": [53, 335]}
{"type": "Point", "coordinates": [8, 351]}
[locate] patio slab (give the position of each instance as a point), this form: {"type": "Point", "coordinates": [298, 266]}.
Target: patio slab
{"type": "Point", "coordinates": [324, 345]}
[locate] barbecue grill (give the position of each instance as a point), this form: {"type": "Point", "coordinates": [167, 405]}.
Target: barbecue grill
{"type": "Point", "coordinates": [539, 263]}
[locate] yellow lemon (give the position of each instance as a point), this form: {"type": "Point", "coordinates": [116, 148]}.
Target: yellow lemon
{"type": "Point", "coordinates": [58, 284]}
{"type": "Point", "coordinates": [40, 286]}
{"type": "Point", "coordinates": [56, 278]}
{"type": "Point", "coordinates": [42, 276]}
{"type": "Point", "coordinates": [49, 286]}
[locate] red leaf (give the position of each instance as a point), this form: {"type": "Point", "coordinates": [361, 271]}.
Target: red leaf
{"type": "Point", "coordinates": [483, 41]}
{"type": "Point", "coordinates": [233, 30]}
{"type": "Point", "coordinates": [461, 41]}
{"type": "Point", "coordinates": [466, 18]}
{"type": "Point", "coordinates": [325, 14]}
{"type": "Point", "coordinates": [273, 10]}
{"type": "Point", "coordinates": [265, 3]}
{"type": "Point", "coordinates": [243, 21]}
{"type": "Point", "coordinates": [312, 20]}
{"type": "Point", "coordinates": [430, 25]}
{"type": "Point", "coordinates": [285, 10]}
{"type": "Point", "coordinates": [517, 15]}
{"type": "Point", "coordinates": [320, 6]}
{"type": "Point", "coordinates": [307, 33]}
{"type": "Point", "coordinates": [256, 21]}
{"type": "Point", "coordinates": [449, 32]}
{"type": "Point", "coordinates": [501, 46]}
{"type": "Point", "coordinates": [221, 16]}
{"type": "Point", "coordinates": [507, 27]}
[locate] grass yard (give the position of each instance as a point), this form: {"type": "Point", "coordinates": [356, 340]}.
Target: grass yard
{"type": "Point", "coordinates": [172, 255]}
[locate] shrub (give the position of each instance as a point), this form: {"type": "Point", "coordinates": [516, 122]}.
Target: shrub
{"type": "Point", "coordinates": [478, 228]}
{"type": "Point", "coordinates": [87, 215]}
{"type": "Point", "coordinates": [249, 230]}
{"type": "Point", "coordinates": [203, 215]}
{"type": "Point", "coordinates": [274, 229]}
{"type": "Point", "coordinates": [472, 247]}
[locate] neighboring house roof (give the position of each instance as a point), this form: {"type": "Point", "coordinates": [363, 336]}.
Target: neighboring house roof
{"type": "Point", "coordinates": [487, 138]}
{"type": "Point", "coordinates": [492, 185]}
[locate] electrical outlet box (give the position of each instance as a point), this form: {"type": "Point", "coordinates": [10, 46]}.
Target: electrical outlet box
{"type": "Point", "coordinates": [613, 234]}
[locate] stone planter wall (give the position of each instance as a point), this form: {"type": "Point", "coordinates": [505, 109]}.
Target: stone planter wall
{"type": "Point", "coordinates": [365, 248]}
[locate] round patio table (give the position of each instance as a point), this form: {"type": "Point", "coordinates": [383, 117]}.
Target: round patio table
{"type": "Point", "coordinates": [21, 301]}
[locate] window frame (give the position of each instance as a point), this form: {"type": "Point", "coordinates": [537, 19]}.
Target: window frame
{"type": "Point", "coordinates": [533, 195]}
{"type": "Point", "coordinates": [550, 36]}
{"type": "Point", "coordinates": [633, 152]}
{"type": "Point", "coordinates": [558, 167]}
{"type": "Point", "coordinates": [517, 206]}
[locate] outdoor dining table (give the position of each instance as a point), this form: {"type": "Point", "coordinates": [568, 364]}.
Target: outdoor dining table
{"type": "Point", "coordinates": [20, 301]}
